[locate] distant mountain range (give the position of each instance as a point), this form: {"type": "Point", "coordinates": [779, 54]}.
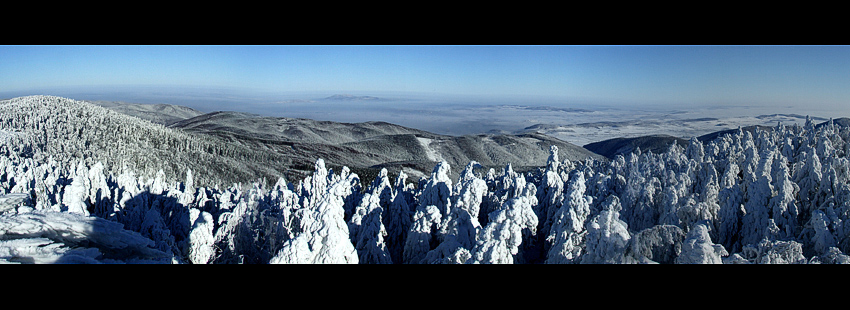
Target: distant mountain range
{"type": "Point", "coordinates": [546, 108]}
{"type": "Point", "coordinates": [369, 146]}
{"type": "Point", "coordinates": [363, 147]}
{"type": "Point", "coordinates": [337, 98]}
{"type": "Point", "coordinates": [346, 97]}
{"type": "Point", "coordinates": [375, 145]}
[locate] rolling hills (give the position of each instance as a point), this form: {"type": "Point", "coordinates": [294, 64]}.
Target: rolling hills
{"type": "Point", "coordinates": [376, 145]}
{"type": "Point", "coordinates": [231, 147]}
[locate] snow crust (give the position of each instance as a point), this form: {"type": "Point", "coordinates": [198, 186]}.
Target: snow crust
{"type": "Point", "coordinates": [67, 237]}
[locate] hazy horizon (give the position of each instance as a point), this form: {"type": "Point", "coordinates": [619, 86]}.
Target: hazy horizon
{"type": "Point", "coordinates": [432, 87]}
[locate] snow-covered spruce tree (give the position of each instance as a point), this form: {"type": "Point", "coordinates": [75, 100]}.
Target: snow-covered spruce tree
{"type": "Point", "coordinates": [311, 188]}
{"type": "Point", "coordinates": [809, 177]}
{"type": "Point", "coordinates": [607, 235]}
{"type": "Point", "coordinates": [699, 249]}
{"type": "Point", "coordinates": [783, 206]}
{"type": "Point", "coordinates": [500, 189]}
{"type": "Point", "coordinates": [499, 241]}
{"type": "Point", "coordinates": [201, 238]}
{"type": "Point", "coordinates": [756, 223]}
{"type": "Point", "coordinates": [702, 205]}
{"type": "Point", "coordinates": [842, 205]}
{"type": "Point", "coordinates": [76, 194]}
{"type": "Point", "coordinates": [320, 232]}
{"type": "Point", "coordinates": [566, 237]}
{"type": "Point", "coordinates": [550, 194]}
{"type": "Point", "coordinates": [818, 235]}
{"type": "Point", "coordinates": [438, 189]}
{"type": "Point", "coordinates": [100, 197]}
{"type": "Point", "coordinates": [398, 220]}
{"type": "Point", "coordinates": [509, 230]}
{"type": "Point", "coordinates": [369, 240]}
{"type": "Point", "coordinates": [641, 196]}
{"type": "Point", "coordinates": [366, 228]}
{"type": "Point", "coordinates": [242, 226]}
{"type": "Point", "coordinates": [470, 190]}
{"type": "Point", "coordinates": [731, 209]}
{"type": "Point", "coordinates": [422, 236]}
{"type": "Point", "coordinates": [769, 252]}
{"type": "Point", "coordinates": [658, 244]}
{"type": "Point", "coordinates": [458, 237]}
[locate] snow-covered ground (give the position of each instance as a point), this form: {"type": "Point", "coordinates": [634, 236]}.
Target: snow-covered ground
{"type": "Point", "coordinates": [429, 152]}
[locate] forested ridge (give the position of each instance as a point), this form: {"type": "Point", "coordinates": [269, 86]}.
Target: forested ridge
{"type": "Point", "coordinates": [767, 196]}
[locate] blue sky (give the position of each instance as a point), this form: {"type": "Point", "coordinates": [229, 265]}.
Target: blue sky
{"type": "Point", "coordinates": [723, 75]}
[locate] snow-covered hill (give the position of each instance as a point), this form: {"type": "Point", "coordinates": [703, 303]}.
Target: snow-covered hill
{"type": "Point", "coordinates": [377, 145]}
{"type": "Point", "coordinates": [44, 127]}
{"type": "Point", "coordinates": [624, 146]}
{"type": "Point", "coordinates": [164, 114]}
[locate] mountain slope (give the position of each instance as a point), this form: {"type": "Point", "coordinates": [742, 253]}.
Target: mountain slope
{"type": "Point", "coordinates": [289, 129]}
{"type": "Point", "coordinates": [377, 144]}
{"type": "Point", "coordinates": [622, 146]}
{"type": "Point", "coordinates": [164, 114]}
{"type": "Point", "coordinates": [67, 130]}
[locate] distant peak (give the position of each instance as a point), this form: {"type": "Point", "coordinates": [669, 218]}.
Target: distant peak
{"type": "Point", "coordinates": [347, 97]}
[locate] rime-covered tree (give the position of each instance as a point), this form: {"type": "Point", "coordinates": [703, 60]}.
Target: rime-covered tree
{"type": "Point", "coordinates": [566, 237]}
{"type": "Point", "coordinates": [607, 235]}
{"type": "Point", "coordinates": [320, 232]}
{"type": "Point", "coordinates": [438, 189]}
{"type": "Point", "coordinates": [422, 236]}
{"type": "Point", "coordinates": [783, 207]}
{"type": "Point", "coordinates": [731, 209]}
{"type": "Point", "coordinates": [550, 194]}
{"type": "Point", "coordinates": [756, 223]}
{"type": "Point", "coordinates": [470, 190]}
{"type": "Point", "coordinates": [201, 238]}
{"type": "Point", "coordinates": [657, 244]}
{"type": "Point", "coordinates": [699, 249]}
{"type": "Point", "coordinates": [508, 227]}
{"type": "Point", "coordinates": [398, 220]}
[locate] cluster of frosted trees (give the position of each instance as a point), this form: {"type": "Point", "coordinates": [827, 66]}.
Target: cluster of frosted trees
{"type": "Point", "coordinates": [772, 196]}
{"type": "Point", "coordinates": [768, 196]}
{"type": "Point", "coordinates": [67, 130]}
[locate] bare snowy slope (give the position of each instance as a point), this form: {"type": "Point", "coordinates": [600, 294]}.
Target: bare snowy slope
{"type": "Point", "coordinates": [161, 113]}
{"type": "Point", "coordinates": [289, 129]}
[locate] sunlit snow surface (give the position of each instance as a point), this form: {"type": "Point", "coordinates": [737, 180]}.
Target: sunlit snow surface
{"type": "Point", "coordinates": [45, 237]}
